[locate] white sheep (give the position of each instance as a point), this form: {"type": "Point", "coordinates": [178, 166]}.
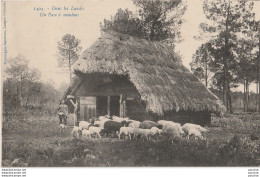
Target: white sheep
{"type": "Point", "coordinates": [84, 125]}
{"type": "Point", "coordinates": [76, 131]}
{"type": "Point", "coordinates": [120, 119]}
{"type": "Point", "coordinates": [162, 122]}
{"type": "Point", "coordinates": [101, 122]}
{"type": "Point", "coordinates": [196, 134]}
{"type": "Point", "coordinates": [171, 123]}
{"type": "Point", "coordinates": [103, 117]}
{"type": "Point", "coordinates": [86, 133]}
{"type": "Point", "coordinates": [127, 131]}
{"type": "Point", "coordinates": [171, 131]}
{"type": "Point", "coordinates": [155, 131]}
{"type": "Point", "coordinates": [62, 128]}
{"type": "Point", "coordinates": [186, 127]}
{"type": "Point", "coordinates": [144, 133]}
{"type": "Point", "coordinates": [95, 130]}
{"type": "Point", "coordinates": [135, 124]}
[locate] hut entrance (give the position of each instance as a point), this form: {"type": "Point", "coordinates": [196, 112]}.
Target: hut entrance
{"type": "Point", "coordinates": [108, 105]}
{"type": "Point", "coordinates": [114, 105]}
{"type": "Point", "coordinates": [87, 107]}
{"type": "Point", "coordinates": [101, 105]}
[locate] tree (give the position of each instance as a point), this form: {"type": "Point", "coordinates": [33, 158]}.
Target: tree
{"type": "Point", "coordinates": [124, 22]}
{"type": "Point", "coordinates": [11, 100]}
{"type": "Point", "coordinates": [255, 36]}
{"type": "Point", "coordinates": [162, 18]}
{"type": "Point", "coordinates": [226, 19]}
{"type": "Point", "coordinates": [68, 51]}
{"type": "Point", "coordinates": [201, 63]}
{"type": "Point", "coordinates": [157, 20]}
{"type": "Point", "coordinates": [22, 76]}
{"type": "Point", "coordinates": [246, 67]}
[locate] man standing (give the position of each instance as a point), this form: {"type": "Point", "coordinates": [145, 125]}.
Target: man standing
{"type": "Point", "coordinates": [63, 112]}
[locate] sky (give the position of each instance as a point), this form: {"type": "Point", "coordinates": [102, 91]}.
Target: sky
{"type": "Point", "coordinates": [36, 37]}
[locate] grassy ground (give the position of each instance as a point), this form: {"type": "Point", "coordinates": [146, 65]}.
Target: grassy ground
{"type": "Point", "coordinates": [36, 141]}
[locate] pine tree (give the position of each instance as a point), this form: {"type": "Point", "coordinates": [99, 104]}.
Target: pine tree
{"type": "Point", "coordinates": [201, 63]}
{"type": "Point", "coordinates": [157, 20]}
{"type": "Point", "coordinates": [68, 51]}
{"type": "Point", "coordinates": [226, 20]}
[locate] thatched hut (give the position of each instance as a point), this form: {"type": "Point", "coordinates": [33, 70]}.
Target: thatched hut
{"type": "Point", "coordinates": [126, 76]}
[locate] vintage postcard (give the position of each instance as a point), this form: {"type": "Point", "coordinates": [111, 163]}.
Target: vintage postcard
{"type": "Point", "coordinates": [130, 83]}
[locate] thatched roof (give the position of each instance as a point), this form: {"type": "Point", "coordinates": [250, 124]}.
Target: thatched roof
{"type": "Point", "coordinates": [155, 70]}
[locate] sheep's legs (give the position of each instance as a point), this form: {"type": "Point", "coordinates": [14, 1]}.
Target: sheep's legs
{"type": "Point", "coordinates": [99, 135]}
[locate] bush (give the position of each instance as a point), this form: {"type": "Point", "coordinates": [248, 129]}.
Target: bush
{"type": "Point", "coordinates": [238, 152]}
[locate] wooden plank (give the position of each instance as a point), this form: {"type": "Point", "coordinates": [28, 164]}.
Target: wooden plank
{"type": "Point", "coordinates": [121, 109]}
{"type": "Point", "coordinates": [108, 105]}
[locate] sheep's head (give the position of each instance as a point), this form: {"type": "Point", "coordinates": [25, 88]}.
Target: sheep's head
{"type": "Point", "coordinates": [181, 131]}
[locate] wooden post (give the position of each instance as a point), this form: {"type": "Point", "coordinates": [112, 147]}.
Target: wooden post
{"type": "Point", "coordinates": [108, 105]}
{"type": "Point", "coordinates": [121, 109]}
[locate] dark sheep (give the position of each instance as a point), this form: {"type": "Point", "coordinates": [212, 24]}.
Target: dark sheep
{"type": "Point", "coordinates": [112, 127]}
{"type": "Point", "coordinates": [147, 124]}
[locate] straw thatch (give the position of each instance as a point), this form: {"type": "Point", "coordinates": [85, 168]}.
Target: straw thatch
{"type": "Point", "coordinates": [154, 69]}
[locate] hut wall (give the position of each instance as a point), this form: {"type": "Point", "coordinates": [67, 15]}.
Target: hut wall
{"type": "Point", "coordinates": [135, 109]}
{"type": "Point", "coordinates": [197, 117]}
{"type": "Point", "coordinates": [114, 85]}
{"type": "Point", "coordinates": [101, 85]}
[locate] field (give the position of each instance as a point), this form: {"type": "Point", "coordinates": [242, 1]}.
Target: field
{"type": "Point", "coordinates": [36, 142]}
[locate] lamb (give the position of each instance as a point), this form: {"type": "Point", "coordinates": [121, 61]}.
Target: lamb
{"type": "Point", "coordinates": [147, 124]}
{"type": "Point", "coordinates": [186, 127]}
{"type": "Point", "coordinates": [144, 133]}
{"type": "Point", "coordinates": [86, 133]}
{"type": "Point", "coordinates": [155, 130]}
{"type": "Point", "coordinates": [84, 125]}
{"type": "Point", "coordinates": [196, 134]}
{"type": "Point", "coordinates": [91, 131]}
{"type": "Point", "coordinates": [134, 124]}
{"type": "Point", "coordinates": [95, 130]}
{"type": "Point", "coordinates": [76, 131]}
{"type": "Point", "coordinates": [62, 128]}
{"type": "Point", "coordinates": [127, 131]}
{"type": "Point", "coordinates": [101, 122]}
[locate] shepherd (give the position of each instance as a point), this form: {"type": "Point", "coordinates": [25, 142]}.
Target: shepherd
{"type": "Point", "coordinates": [63, 112]}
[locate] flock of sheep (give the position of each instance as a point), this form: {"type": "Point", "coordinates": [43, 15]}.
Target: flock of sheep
{"type": "Point", "coordinates": [133, 129]}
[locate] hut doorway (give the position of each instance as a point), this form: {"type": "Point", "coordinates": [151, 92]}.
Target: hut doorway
{"type": "Point", "coordinates": [108, 105]}
{"type": "Point", "coordinates": [114, 105]}
{"type": "Point", "coordinates": [87, 107]}
{"type": "Point", "coordinates": [101, 105]}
